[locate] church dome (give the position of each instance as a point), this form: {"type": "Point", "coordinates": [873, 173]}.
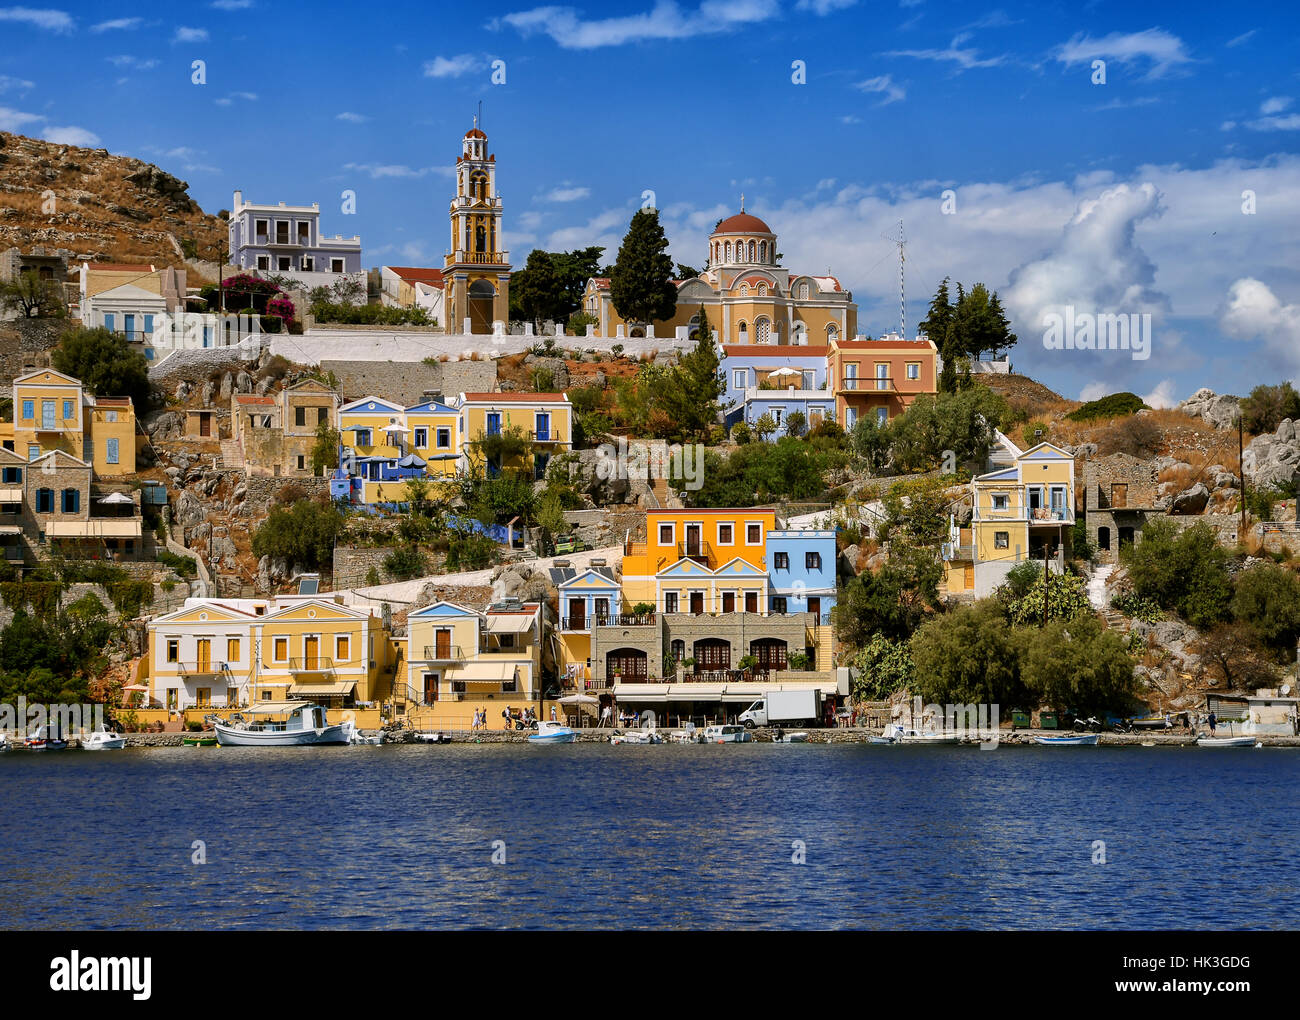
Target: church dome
{"type": "Point", "coordinates": [742, 223]}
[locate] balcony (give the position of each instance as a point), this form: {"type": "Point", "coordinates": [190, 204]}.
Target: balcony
{"type": "Point", "coordinates": [627, 620]}
{"type": "Point", "coordinates": [443, 653]}
{"type": "Point", "coordinates": [481, 258]}
{"type": "Point", "coordinates": [697, 551]}
{"type": "Point", "coordinates": [1051, 515]}
{"type": "Point", "coordinates": [198, 670]}
{"type": "Point", "coordinates": [312, 664]}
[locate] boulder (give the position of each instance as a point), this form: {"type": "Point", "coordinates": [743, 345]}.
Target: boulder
{"type": "Point", "coordinates": [1219, 411]}
{"type": "Point", "coordinates": [1273, 460]}
{"type": "Point", "coordinates": [227, 387]}
{"type": "Point", "coordinates": [188, 510]}
{"type": "Point", "coordinates": [1191, 501]}
{"type": "Point", "coordinates": [243, 383]}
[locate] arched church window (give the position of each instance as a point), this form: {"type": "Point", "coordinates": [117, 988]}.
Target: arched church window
{"type": "Point", "coordinates": [803, 292]}
{"type": "Point", "coordinates": [762, 290]}
{"type": "Point", "coordinates": [751, 251]}
{"type": "Point", "coordinates": [727, 249]}
{"type": "Point", "coordinates": [831, 331]}
{"type": "Point", "coordinates": [743, 332]}
{"type": "Point", "coordinates": [762, 331]}
{"type": "Point", "coordinates": [744, 290]}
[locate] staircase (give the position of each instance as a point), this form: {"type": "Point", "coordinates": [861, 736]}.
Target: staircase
{"type": "Point", "coordinates": [1100, 602]}
{"type": "Point", "coordinates": [231, 457]}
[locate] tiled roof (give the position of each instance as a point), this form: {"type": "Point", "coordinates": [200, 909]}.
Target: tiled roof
{"type": "Point", "coordinates": [742, 223]}
{"type": "Point", "coordinates": [880, 345]}
{"type": "Point", "coordinates": [775, 350]}
{"type": "Point", "coordinates": [252, 398]}
{"type": "Point", "coordinates": [121, 267]}
{"type": "Point", "coordinates": [515, 398]}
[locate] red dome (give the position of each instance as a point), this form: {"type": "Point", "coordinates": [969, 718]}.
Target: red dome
{"type": "Point", "coordinates": [474, 133]}
{"type": "Point", "coordinates": [742, 223]}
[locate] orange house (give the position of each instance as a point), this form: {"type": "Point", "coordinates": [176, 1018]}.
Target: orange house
{"type": "Point", "coordinates": [879, 378]}
{"type": "Point", "coordinates": [711, 538]}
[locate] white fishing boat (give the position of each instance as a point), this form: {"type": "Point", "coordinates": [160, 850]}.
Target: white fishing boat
{"type": "Point", "coordinates": [686, 735]}
{"type": "Point", "coordinates": [799, 737]}
{"type": "Point", "coordinates": [280, 724]}
{"type": "Point", "coordinates": [1070, 740]}
{"type": "Point", "coordinates": [355, 736]}
{"type": "Point", "coordinates": [103, 740]}
{"type": "Point", "coordinates": [902, 735]}
{"type": "Point", "coordinates": [1226, 742]}
{"type": "Point", "coordinates": [432, 737]}
{"type": "Point", "coordinates": [637, 737]}
{"type": "Point", "coordinates": [552, 733]}
{"type": "Point", "coordinates": [726, 734]}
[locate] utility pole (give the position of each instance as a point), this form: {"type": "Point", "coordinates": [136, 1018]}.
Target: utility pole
{"type": "Point", "coordinates": [1241, 466]}
{"type": "Point", "coordinates": [1045, 584]}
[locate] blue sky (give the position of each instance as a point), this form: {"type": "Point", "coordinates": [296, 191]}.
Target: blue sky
{"type": "Point", "coordinates": [1117, 197]}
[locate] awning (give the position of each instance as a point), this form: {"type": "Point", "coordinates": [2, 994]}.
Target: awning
{"type": "Point", "coordinates": [483, 672]}
{"type": "Point", "coordinates": [336, 690]}
{"type": "Point", "coordinates": [516, 623]}
{"type": "Point", "coordinates": [121, 527]}
{"type": "Point", "coordinates": [10, 529]}
{"type": "Point", "coordinates": [11, 495]}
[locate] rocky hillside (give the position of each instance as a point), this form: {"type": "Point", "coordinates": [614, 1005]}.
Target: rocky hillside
{"type": "Point", "coordinates": [106, 208]}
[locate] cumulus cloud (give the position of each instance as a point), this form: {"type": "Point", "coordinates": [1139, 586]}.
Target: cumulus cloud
{"type": "Point", "coordinates": [566, 194]}
{"type": "Point", "coordinates": [16, 84]}
{"type": "Point", "coordinates": [1162, 396]}
{"type": "Point", "coordinates": [883, 85]}
{"type": "Point", "coordinates": [71, 136]}
{"type": "Point", "coordinates": [352, 118]}
{"type": "Point", "coordinates": [117, 24]}
{"type": "Point", "coordinates": [190, 35]}
{"type": "Point", "coordinates": [1254, 312]}
{"type": "Point", "coordinates": [14, 120]}
{"type": "Point", "coordinates": [52, 21]}
{"type": "Point", "coordinates": [1271, 119]}
{"type": "Point", "coordinates": [666, 20]}
{"type": "Point", "coordinates": [823, 7]}
{"type": "Point", "coordinates": [1161, 50]}
{"type": "Point", "coordinates": [135, 63]}
{"type": "Point", "coordinates": [452, 67]}
{"type": "Point", "coordinates": [378, 171]}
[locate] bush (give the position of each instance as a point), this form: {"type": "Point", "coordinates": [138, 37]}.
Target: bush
{"type": "Point", "coordinates": [740, 433]}
{"type": "Point", "coordinates": [1266, 406]}
{"type": "Point", "coordinates": [1136, 435]}
{"type": "Point", "coordinates": [1115, 405]}
{"type": "Point", "coordinates": [303, 534]}
{"type": "Point", "coordinates": [106, 365]}
{"type": "Point", "coordinates": [405, 564]}
{"type": "Point", "coordinates": [1185, 571]}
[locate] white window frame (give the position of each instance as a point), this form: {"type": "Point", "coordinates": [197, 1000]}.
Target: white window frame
{"type": "Point", "coordinates": [672, 530]}
{"type": "Point", "coordinates": [754, 524]}
{"type": "Point", "coordinates": [731, 525]}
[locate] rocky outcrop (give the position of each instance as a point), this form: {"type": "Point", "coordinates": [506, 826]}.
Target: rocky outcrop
{"type": "Point", "coordinates": [1273, 460]}
{"type": "Point", "coordinates": [1221, 411]}
{"type": "Point", "coordinates": [1191, 501]}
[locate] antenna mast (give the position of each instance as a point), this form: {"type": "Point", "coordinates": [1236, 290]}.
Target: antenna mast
{"type": "Point", "coordinates": [899, 238]}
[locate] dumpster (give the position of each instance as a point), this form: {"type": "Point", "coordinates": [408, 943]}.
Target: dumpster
{"type": "Point", "coordinates": [1047, 721]}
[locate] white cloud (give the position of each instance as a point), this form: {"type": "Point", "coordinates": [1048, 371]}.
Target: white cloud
{"type": "Point", "coordinates": [1254, 312]}
{"type": "Point", "coordinates": [666, 20]}
{"type": "Point", "coordinates": [824, 7]}
{"type": "Point", "coordinates": [1275, 105]}
{"type": "Point", "coordinates": [965, 59]}
{"type": "Point", "coordinates": [1162, 396]}
{"type": "Point", "coordinates": [352, 118]}
{"type": "Point", "coordinates": [54, 21]}
{"type": "Point", "coordinates": [71, 136]}
{"type": "Point", "coordinates": [382, 170]}
{"type": "Point", "coordinates": [1291, 122]}
{"type": "Point", "coordinates": [14, 120]}
{"type": "Point", "coordinates": [190, 35]}
{"type": "Point", "coordinates": [452, 67]}
{"type": "Point", "coordinates": [17, 84]}
{"type": "Point", "coordinates": [232, 5]}
{"type": "Point", "coordinates": [1244, 37]}
{"type": "Point", "coordinates": [125, 60]}
{"type": "Point", "coordinates": [885, 86]}
{"type": "Point", "coordinates": [1161, 49]}
{"type": "Point", "coordinates": [248, 97]}
{"type": "Point", "coordinates": [849, 118]}
{"type": "Point", "coordinates": [117, 24]}
{"type": "Point", "coordinates": [1094, 391]}
{"type": "Point", "coordinates": [566, 194]}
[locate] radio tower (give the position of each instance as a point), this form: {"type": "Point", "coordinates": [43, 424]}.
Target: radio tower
{"type": "Point", "coordinates": [897, 237]}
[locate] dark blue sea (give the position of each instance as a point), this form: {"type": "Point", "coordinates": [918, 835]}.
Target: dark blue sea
{"type": "Point", "coordinates": [651, 837]}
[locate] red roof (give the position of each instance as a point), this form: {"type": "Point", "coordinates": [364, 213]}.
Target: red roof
{"type": "Point", "coordinates": [601, 282]}
{"type": "Point", "coordinates": [742, 223]}
{"type": "Point", "coordinates": [112, 401]}
{"type": "Point", "coordinates": [414, 274]}
{"type": "Point", "coordinates": [787, 350]}
{"type": "Point", "coordinates": [497, 398]}
{"type": "Point", "coordinates": [862, 345]}
{"type": "Point", "coordinates": [250, 398]}
{"type": "Point", "coordinates": [474, 133]}
{"type": "Point", "coordinates": [121, 267]}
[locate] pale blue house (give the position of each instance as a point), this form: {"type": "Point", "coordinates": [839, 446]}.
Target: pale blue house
{"type": "Point", "coordinates": [801, 572]}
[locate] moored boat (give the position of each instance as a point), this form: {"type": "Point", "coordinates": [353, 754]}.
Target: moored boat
{"type": "Point", "coordinates": [726, 734]}
{"type": "Point", "coordinates": [199, 740]}
{"type": "Point", "coordinates": [41, 740]}
{"type": "Point", "coordinates": [280, 724]}
{"type": "Point", "coordinates": [103, 740]}
{"type": "Point", "coordinates": [637, 737]}
{"type": "Point", "coordinates": [902, 735]}
{"type": "Point", "coordinates": [1225, 742]}
{"type": "Point", "coordinates": [1070, 740]}
{"type": "Point", "coordinates": [552, 733]}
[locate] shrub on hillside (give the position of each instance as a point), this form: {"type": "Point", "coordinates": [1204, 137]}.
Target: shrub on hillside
{"type": "Point", "coordinates": [1114, 405]}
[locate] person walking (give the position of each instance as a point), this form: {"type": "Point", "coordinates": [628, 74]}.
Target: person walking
{"type": "Point", "coordinates": [1213, 721]}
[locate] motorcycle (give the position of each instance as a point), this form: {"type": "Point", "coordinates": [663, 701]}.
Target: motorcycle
{"type": "Point", "coordinates": [1090, 725]}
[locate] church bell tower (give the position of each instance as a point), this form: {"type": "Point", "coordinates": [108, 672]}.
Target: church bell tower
{"type": "Point", "coordinates": [477, 271]}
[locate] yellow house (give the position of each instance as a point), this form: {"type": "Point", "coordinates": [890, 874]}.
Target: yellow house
{"type": "Point", "coordinates": [323, 651]}
{"type": "Point", "coordinates": [433, 435]}
{"type": "Point", "coordinates": [1021, 511]}
{"type": "Point", "coordinates": [588, 599]}
{"type": "Point", "coordinates": [201, 655]}
{"type": "Point", "coordinates": [544, 422]}
{"type": "Point", "coordinates": [53, 412]}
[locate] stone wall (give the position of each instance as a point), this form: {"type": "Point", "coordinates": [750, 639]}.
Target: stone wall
{"type": "Point", "coordinates": [352, 564]}
{"type": "Point", "coordinates": [25, 344]}
{"type": "Point", "coordinates": [260, 490]}
{"type": "Point", "coordinates": [203, 361]}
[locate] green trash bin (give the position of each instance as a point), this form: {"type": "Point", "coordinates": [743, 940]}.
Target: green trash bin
{"type": "Point", "coordinates": [1047, 720]}
{"type": "Point", "coordinates": [1020, 720]}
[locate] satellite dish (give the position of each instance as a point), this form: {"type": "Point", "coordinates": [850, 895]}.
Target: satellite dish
{"type": "Point", "coordinates": [1286, 690]}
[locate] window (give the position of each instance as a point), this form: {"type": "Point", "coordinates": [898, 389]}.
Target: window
{"type": "Point", "coordinates": [110, 321]}
{"type": "Point", "coordinates": [128, 323]}
{"type": "Point", "coordinates": [302, 462]}
{"type": "Point", "coordinates": [914, 370]}
{"type": "Point", "coordinates": [363, 437]}
{"type": "Point", "coordinates": [781, 560]}
{"type": "Point", "coordinates": [71, 501]}
{"type": "Point", "coordinates": [494, 423]}
{"type": "Point", "coordinates": [300, 415]}
{"type": "Point", "coordinates": [812, 561]}
{"type": "Point", "coordinates": [47, 414]}
{"type": "Point", "coordinates": [882, 417]}
{"type": "Point", "coordinates": [307, 262]}
{"type": "Point", "coordinates": [678, 651]}
{"type": "Point", "coordinates": [322, 415]}
{"type": "Point", "coordinates": [1001, 539]}
{"type": "Point", "coordinates": [667, 534]}
{"type": "Point", "coordinates": [284, 263]}
{"type": "Point", "coordinates": [342, 648]}
{"type": "Point", "coordinates": [264, 262]}
{"type": "Point", "coordinates": [45, 501]}
{"type": "Point", "coordinates": [148, 326]}
{"type": "Point", "coordinates": [778, 604]}
{"type": "Point", "coordinates": [67, 410]}
{"type": "Point", "coordinates": [29, 410]}
{"type": "Point", "coordinates": [542, 425]}
{"type": "Point", "coordinates": [232, 649]}
{"type": "Point", "coordinates": [444, 439]}
{"type": "Point", "coordinates": [670, 602]}
{"type": "Point", "coordinates": [336, 265]}
{"type": "Point", "coordinates": [725, 533]}
{"type": "Point", "coordinates": [260, 229]}
{"type": "Point", "coordinates": [281, 231]}
{"type": "Point", "coordinates": [110, 416]}
{"type": "Point", "coordinates": [110, 451]}
{"type": "Point", "coordinates": [13, 476]}
{"type": "Point", "coordinates": [173, 649]}
{"type": "Point", "coordinates": [280, 649]}
{"type": "Point", "coordinates": [421, 438]}
{"type": "Point", "coordinates": [739, 377]}
{"type": "Point", "coordinates": [999, 501]}
{"type": "Point", "coordinates": [33, 451]}
{"type": "Point", "coordinates": [753, 534]}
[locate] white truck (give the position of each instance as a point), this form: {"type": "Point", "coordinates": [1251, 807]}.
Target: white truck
{"type": "Point", "coordinates": [783, 708]}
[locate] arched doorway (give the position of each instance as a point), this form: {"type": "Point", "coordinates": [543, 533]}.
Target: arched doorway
{"type": "Point", "coordinates": [769, 654]}
{"type": "Point", "coordinates": [1103, 538]}
{"type": "Point", "coordinates": [628, 664]}
{"type": "Point", "coordinates": [481, 297]}
{"type": "Point", "coordinates": [712, 654]}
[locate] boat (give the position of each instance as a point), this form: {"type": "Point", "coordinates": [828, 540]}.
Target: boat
{"type": "Point", "coordinates": [686, 735]}
{"type": "Point", "coordinates": [1070, 740]}
{"type": "Point", "coordinates": [432, 737]}
{"type": "Point", "coordinates": [1226, 742]}
{"type": "Point", "coordinates": [637, 737]}
{"type": "Point", "coordinates": [726, 734]}
{"type": "Point", "coordinates": [552, 733]}
{"type": "Point", "coordinates": [40, 740]}
{"type": "Point", "coordinates": [280, 724]}
{"type": "Point", "coordinates": [4, 741]}
{"type": "Point", "coordinates": [199, 740]}
{"type": "Point", "coordinates": [901, 735]}
{"type": "Point", "coordinates": [355, 736]}
{"type": "Point", "coordinates": [1151, 722]}
{"type": "Point", "coordinates": [799, 737]}
{"type": "Point", "coordinates": [103, 740]}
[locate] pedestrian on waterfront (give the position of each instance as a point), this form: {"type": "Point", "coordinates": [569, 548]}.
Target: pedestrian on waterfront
{"type": "Point", "coordinates": [1213, 721]}
{"type": "Point", "coordinates": [553, 719]}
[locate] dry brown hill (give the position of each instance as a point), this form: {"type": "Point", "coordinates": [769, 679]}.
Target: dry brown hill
{"type": "Point", "coordinates": [107, 208]}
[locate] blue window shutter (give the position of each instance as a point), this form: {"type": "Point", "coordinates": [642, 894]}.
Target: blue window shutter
{"type": "Point", "coordinates": [112, 451]}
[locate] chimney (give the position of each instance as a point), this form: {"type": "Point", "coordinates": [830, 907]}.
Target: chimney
{"type": "Point", "coordinates": [239, 200]}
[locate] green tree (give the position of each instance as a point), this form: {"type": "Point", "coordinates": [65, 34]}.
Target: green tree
{"type": "Point", "coordinates": [106, 364]}
{"type": "Point", "coordinates": [884, 667]}
{"type": "Point", "coordinates": [33, 297]}
{"type": "Point", "coordinates": [325, 451]}
{"type": "Point", "coordinates": [961, 422]}
{"type": "Point", "coordinates": [1266, 406]}
{"type": "Point", "coordinates": [537, 288]}
{"type": "Point", "coordinates": [1186, 571]}
{"type": "Point", "coordinates": [796, 424]}
{"type": "Point", "coordinates": [764, 426]}
{"type": "Point", "coordinates": [891, 601]}
{"type": "Point", "coordinates": [1266, 597]}
{"type": "Point", "coordinates": [973, 325]}
{"type": "Point", "coordinates": [917, 513]}
{"type": "Point", "coordinates": [970, 655]}
{"type": "Point", "coordinates": [1077, 665]}
{"type": "Point", "coordinates": [690, 395]}
{"type": "Point", "coordinates": [1067, 598]}
{"type": "Point", "coordinates": [640, 284]}
{"type": "Point", "coordinates": [303, 534]}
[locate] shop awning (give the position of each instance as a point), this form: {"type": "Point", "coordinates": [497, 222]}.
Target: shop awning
{"type": "Point", "coordinates": [483, 672]}
{"type": "Point", "coordinates": [335, 690]}
{"type": "Point", "coordinates": [11, 495]}
{"type": "Point", "coordinates": [515, 623]}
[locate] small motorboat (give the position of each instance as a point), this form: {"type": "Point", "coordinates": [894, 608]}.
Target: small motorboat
{"type": "Point", "coordinates": [726, 734]}
{"type": "Point", "coordinates": [552, 733]}
{"type": "Point", "coordinates": [799, 737]}
{"type": "Point", "coordinates": [103, 740]}
{"type": "Point", "coordinates": [40, 740]}
{"type": "Point", "coordinates": [355, 736]}
{"type": "Point", "coordinates": [280, 724]}
{"type": "Point", "coordinates": [902, 735]}
{"type": "Point", "coordinates": [1070, 740]}
{"type": "Point", "coordinates": [199, 740]}
{"type": "Point", "coordinates": [1226, 742]}
{"type": "Point", "coordinates": [637, 737]}
{"type": "Point", "coordinates": [432, 737]}
{"type": "Point", "coordinates": [686, 735]}
{"type": "Point", "coordinates": [4, 741]}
